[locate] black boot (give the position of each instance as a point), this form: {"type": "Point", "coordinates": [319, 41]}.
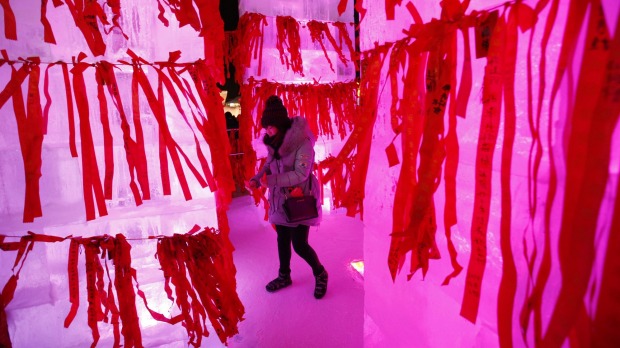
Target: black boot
{"type": "Point", "coordinates": [320, 287]}
{"type": "Point", "coordinates": [283, 280]}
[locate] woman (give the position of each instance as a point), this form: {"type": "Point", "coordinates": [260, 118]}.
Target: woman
{"type": "Point", "coordinates": [289, 166]}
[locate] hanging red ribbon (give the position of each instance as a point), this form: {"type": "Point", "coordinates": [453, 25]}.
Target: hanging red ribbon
{"type": "Point", "coordinates": [108, 141]}
{"type": "Point", "coordinates": [115, 6]}
{"type": "Point", "coordinates": [10, 31]}
{"type": "Point", "coordinates": [533, 301]}
{"type": "Point", "coordinates": [593, 119]}
{"type": "Point", "coordinates": [412, 124]}
{"type": "Point", "coordinates": [508, 283]}
{"type": "Point", "coordinates": [136, 159]}
{"type": "Point", "coordinates": [48, 34]}
{"type": "Point", "coordinates": [361, 136]}
{"type": "Point", "coordinates": [390, 7]}
{"type": "Point", "coordinates": [171, 146]}
{"type": "Point", "coordinates": [288, 39]}
{"type": "Point", "coordinates": [86, 14]}
{"type": "Point", "coordinates": [90, 172]}
{"type": "Point", "coordinates": [165, 81]}
{"type": "Point", "coordinates": [343, 35]}
{"type": "Point", "coordinates": [319, 31]}
{"type": "Point", "coordinates": [204, 255]}
{"type": "Point", "coordinates": [30, 127]}
{"type": "Point", "coordinates": [489, 127]}
{"type": "Point", "coordinates": [249, 44]}
{"type": "Point", "coordinates": [70, 110]}
{"type": "Point", "coordinates": [213, 129]}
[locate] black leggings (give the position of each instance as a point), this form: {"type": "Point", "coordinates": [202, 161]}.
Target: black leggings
{"type": "Point", "coordinates": [299, 236]}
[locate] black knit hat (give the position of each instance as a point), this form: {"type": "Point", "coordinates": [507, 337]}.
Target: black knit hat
{"type": "Point", "coordinates": [275, 114]}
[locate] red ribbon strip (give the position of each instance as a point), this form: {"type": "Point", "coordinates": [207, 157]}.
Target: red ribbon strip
{"type": "Point", "coordinates": [508, 283]}
{"type": "Point", "coordinates": [361, 136]}
{"type": "Point", "coordinates": [213, 130]}
{"type": "Point", "coordinates": [70, 114]}
{"type": "Point", "coordinates": [412, 124]}
{"type": "Point", "coordinates": [48, 34]}
{"type": "Point", "coordinates": [342, 6]}
{"type": "Point", "coordinates": [288, 39]}
{"type": "Point", "coordinates": [136, 160]}
{"type": "Point", "coordinates": [575, 19]}
{"type": "Point", "coordinates": [90, 172]}
{"type": "Point", "coordinates": [115, 6]}
{"type": "Point", "coordinates": [171, 146]}
{"type": "Point", "coordinates": [593, 119]}
{"type": "Point", "coordinates": [452, 154]}
{"type": "Point", "coordinates": [489, 127]}
{"type": "Point", "coordinates": [108, 141]}
{"type": "Point", "coordinates": [14, 84]}
{"type": "Point", "coordinates": [390, 7]}
{"type": "Point", "coordinates": [343, 35]}
{"type": "Point", "coordinates": [604, 324]}
{"type": "Point", "coordinates": [85, 13]}
{"type": "Point", "coordinates": [30, 128]}
{"type": "Point", "coordinates": [249, 44]}
{"type": "Point", "coordinates": [165, 82]}
{"type": "Point", "coordinates": [318, 31]}
{"type": "Point", "coordinates": [533, 301]}
{"type": "Point", "coordinates": [10, 30]}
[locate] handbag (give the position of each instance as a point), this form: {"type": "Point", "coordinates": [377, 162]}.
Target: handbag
{"type": "Point", "coordinates": [300, 208]}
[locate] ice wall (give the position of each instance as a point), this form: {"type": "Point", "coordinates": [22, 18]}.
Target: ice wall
{"type": "Point", "coordinates": [422, 312]}
{"type": "Point", "coordinates": [40, 304]}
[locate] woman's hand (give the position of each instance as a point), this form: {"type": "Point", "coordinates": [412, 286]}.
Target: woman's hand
{"type": "Point", "coordinates": [252, 184]}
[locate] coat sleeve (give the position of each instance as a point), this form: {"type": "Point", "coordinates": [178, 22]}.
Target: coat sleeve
{"type": "Point", "coordinates": [264, 170]}
{"type": "Point", "coordinates": [304, 159]}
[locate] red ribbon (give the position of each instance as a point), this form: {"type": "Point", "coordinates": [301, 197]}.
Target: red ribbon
{"type": "Point", "coordinates": [489, 127]}
{"type": "Point", "coordinates": [361, 136]}
{"type": "Point", "coordinates": [108, 141]}
{"type": "Point", "coordinates": [412, 125]}
{"type": "Point", "coordinates": [171, 146]}
{"type": "Point", "coordinates": [593, 119]}
{"type": "Point", "coordinates": [249, 44]}
{"type": "Point", "coordinates": [136, 160]}
{"type": "Point", "coordinates": [390, 7]}
{"type": "Point", "coordinates": [115, 6]}
{"type": "Point", "coordinates": [165, 81]}
{"type": "Point", "coordinates": [452, 158]}
{"type": "Point", "coordinates": [85, 14]}
{"type": "Point", "coordinates": [204, 255]}
{"type": "Point", "coordinates": [48, 34]}
{"type": "Point", "coordinates": [213, 130]}
{"type": "Point", "coordinates": [30, 128]}
{"type": "Point", "coordinates": [90, 172]}
{"type": "Point", "coordinates": [288, 39]}
{"type": "Point", "coordinates": [508, 283]}
{"type": "Point", "coordinates": [576, 16]}
{"type": "Point", "coordinates": [10, 31]}
{"type": "Point", "coordinates": [534, 160]}
{"type": "Point", "coordinates": [343, 35]}
{"type": "Point", "coordinates": [318, 31]}
{"type": "Point", "coordinates": [70, 114]}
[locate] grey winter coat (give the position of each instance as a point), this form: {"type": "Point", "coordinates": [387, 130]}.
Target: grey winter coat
{"type": "Point", "coordinates": [294, 168]}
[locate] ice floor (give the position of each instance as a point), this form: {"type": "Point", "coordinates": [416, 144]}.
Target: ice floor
{"type": "Point", "coordinates": [292, 317]}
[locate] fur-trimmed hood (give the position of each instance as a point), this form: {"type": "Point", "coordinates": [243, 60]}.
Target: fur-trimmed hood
{"type": "Point", "coordinates": [294, 137]}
